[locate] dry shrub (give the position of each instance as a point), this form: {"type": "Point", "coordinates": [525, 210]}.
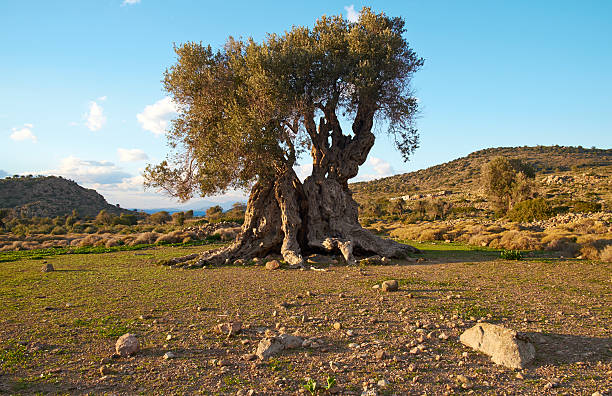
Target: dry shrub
{"type": "Point", "coordinates": [563, 244]}
{"type": "Point", "coordinates": [606, 254]}
{"type": "Point", "coordinates": [187, 239]}
{"type": "Point", "coordinates": [433, 234]}
{"type": "Point", "coordinates": [517, 240]}
{"type": "Point", "coordinates": [227, 234]}
{"type": "Point", "coordinates": [495, 229]}
{"type": "Point", "coordinates": [89, 240]}
{"type": "Point", "coordinates": [589, 226]}
{"type": "Point", "coordinates": [482, 239]}
{"type": "Point", "coordinates": [29, 245]}
{"type": "Point", "coordinates": [145, 238]}
{"type": "Point", "coordinates": [113, 242]}
{"type": "Point", "coordinates": [411, 233]}
{"type": "Point", "coordinates": [172, 237]}
{"type": "Point", "coordinates": [589, 252]}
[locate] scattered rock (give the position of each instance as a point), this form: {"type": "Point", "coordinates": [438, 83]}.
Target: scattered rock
{"type": "Point", "coordinates": [229, 328]}
{"type": "Point", "coordinates": [239, 262]}
{"type": "Point", "coordinates": [383, 383]}
{"type": "Point", "coordinates": [290, 341]}
{"type": "Point", "coordinates": [48, 267]}
{"type": "Point", "coordinates": [505, 346]}
{"type": "Point", "coordinates": [105, 370]}
{"type": "Point", "coordinates": [169, 355]}
{"type": "Point", "coordinates": [390, 285]}
{"type": "Point", "coordinates": [127, 345]}
{"type": "Point", "coordinates": [376, 287]}
{"type": "Point", "coordinates": [337, 326]}
{"type": "Point", "coordinates": [272, 265]}
{"type": "Point", "coordinates": [249, 357]}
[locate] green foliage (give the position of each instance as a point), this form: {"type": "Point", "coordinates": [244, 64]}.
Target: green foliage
{"type": "Point", "coordinates": [13, 356]}
{"type": "Point", "coordinates": [511, 255]}
{"type": "Point", "coordinates": [311, 386]}
{"type": "Point", "coordinates": [507, 181]}
{"type": "Point", "coordinates": [160, 217]}
{"type": "Point", "coordinates": [104, 218]}
{"type": "Point", "coordinates": [178, 218]}
{"type": "Point", "coordinates": [586, 207]}
{"type": "Point", "coordinates": [247, 111]}
{"type": "Point", "coordinates": [531, 209]}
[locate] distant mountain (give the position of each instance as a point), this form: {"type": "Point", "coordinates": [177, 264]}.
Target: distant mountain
{"type": "Point", "coordinates": [463, 174]}
{"type": "Point", "coordinates": [50, 196]}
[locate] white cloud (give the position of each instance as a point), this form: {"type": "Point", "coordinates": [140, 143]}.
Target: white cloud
{"type": "Point", "coordinates": [88, 172]}
{"type": "Point", "coordinates": [95, 117]}
{"type": "Point", "coordinates": [303, 171]}
{"type": "Point", "coordinates": [130, 2]}
{"type": "Point", "coordinates": [102, 98]}
{"type": "Point", "coordinates": [155, 118]}
{"type": "Point", "coordinates": [351, 14]}
{"type": "Point", "coordinates": [131, 155]}
{"type": "Point", "coordinates": [382, 168]}
{"type": "Point", "coordinates": [23, 133]}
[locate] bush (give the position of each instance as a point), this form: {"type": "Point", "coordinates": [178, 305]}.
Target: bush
{"type": "Point", "coordinates": [511, 255]}
{"type": "Point", "coordinates": [530, 210]}
{"type": "Point", "coordinates": [606, 254]}
{"type": "Point", "coordinates": [57, 230]}
{"type": "Point", "coordinates": [160, 217]}
{"type": "Point", "coordinates": [586, 207]}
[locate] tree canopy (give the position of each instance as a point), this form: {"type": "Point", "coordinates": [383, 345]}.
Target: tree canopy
{"type": "Point", "coordinates": [247, 112]}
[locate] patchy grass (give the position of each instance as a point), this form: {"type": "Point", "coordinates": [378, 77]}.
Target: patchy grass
{"type": "Point", "coordinates": [59, 328]}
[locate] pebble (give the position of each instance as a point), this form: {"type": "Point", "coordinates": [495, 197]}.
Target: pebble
{"type": "Point", "coordinates": [105, 370]}
{"type": "Point", "coordinates": [380, 355]}
{"type": "Point", "coordinates": [169, 337]}
{"type": "Point", "coordinates": [169, 355]}
{"type": "Point", "coordinates": [337, 326]}
{"type": "Point", "coordinates": [383, 383]}
{"type": "Point", "coordinates": [390, 285]}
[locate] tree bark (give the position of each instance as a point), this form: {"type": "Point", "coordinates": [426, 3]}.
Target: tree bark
{"type": "Point", "coordinates": [294, 219]}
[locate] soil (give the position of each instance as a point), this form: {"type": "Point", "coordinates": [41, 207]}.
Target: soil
{"type": "Point", "coordinates": [58, 329]}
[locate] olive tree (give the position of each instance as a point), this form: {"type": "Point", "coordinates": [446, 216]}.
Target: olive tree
{"type": "Point", "coordinates": [507, 182]}
{"type": "Point", "coordinates": [249, 111]}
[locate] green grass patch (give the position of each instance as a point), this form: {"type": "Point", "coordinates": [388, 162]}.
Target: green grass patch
{"type": "Point", "coordinates": [37, 254]}
{"type": "Point", "coordinates": [13, 356]}
{"type": "Point", "coordinates": [106, 327]}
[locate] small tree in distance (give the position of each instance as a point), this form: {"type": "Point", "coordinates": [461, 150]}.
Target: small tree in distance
{"type": "Point", "coordinates": [507, 182]}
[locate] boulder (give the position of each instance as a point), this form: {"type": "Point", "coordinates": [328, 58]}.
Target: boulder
{"type": "Point", "coordinates": [269, 347]}
{"type": "Point", "coordinates": [48, 267]}
{"type": "Point", "coordinates": [127, 345]}
{"type": "Point", "coordinates": [290, 341]}
{"type": "Point", "coordinates": [272, 265]}
{"type": "Point", "coordinates": [390, 285]}
{"type": "Point", "coordinates": [506, 347]}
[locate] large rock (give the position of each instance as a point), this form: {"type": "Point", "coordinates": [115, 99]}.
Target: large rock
{"type": "Point", "coordinates": [272, 265]}
{"type": "Point", "coordinates": [269, 347]}
{"type": "Point", "coordinates": [290, 341]}
{"type": "Point", "coordinates": [505, 346]}
{"type": "Point", "coordinates": [127, 345]}
{"type": "Point", "coordinates": [390, 285]}
{"type": "Point", "coordinates": [47, 267]}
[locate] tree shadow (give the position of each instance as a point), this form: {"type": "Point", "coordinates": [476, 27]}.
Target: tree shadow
{"type": "Point", "coordinates": [558, 349]}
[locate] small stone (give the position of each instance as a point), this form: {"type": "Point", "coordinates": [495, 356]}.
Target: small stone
{"type": "Point", "coordinates": [169, 355]}
{"type": "Point", "coordinates": [519, 376]}
{"type": "Point", "coordinates": [105, 370]}
{"type": "Point", "coordinates": [48, 267]}
{"type": "Point", "coordinates": [443, 336]}
{"type": "Point", "coordinates": [223, 362]}
{"type": "Point", "coordinates": [168, 337]}
{"type": "Point", "coordinates": [390, 285]}
{"type": "Point", "coordinates": [383, 383]}
{"type": "Point", "coordinates": [229, 328]}
{"type": "Point", "coordinates": [376, 287]}
{"type": "Point", "coordinates": [249, 357]}
{"type": "Point", "coordinates": [337, 326]}
{"type": "Point", "coordinates": [380, 355]}
{"type": "Point", "coordinates": [411, 367]}
{"type": "Point", "coordinates": [127, 345]}
{"type": "Point", "coordinates": [353, 345]}
{"type": "Point", "coordinates": [272, 265]}
{"type": "Point", "coordinates": [350, 333]}
{"type": "Point", "coordinates": [290, 341]}
{"type": "Point", "coordinates": [239, 262]}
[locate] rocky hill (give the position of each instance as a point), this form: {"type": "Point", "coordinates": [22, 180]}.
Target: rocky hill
{"type": "Point", "coordinates": [577, 172]}
{"type": "Point", "coordinates": [50, 196]}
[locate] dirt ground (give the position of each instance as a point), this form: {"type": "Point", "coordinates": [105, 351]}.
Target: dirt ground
{"type": "Point", "coordinates": [58, 329]}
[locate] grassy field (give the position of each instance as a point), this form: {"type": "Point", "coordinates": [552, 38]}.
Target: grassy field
{"type": "Point", "coordinates": [58, 329]}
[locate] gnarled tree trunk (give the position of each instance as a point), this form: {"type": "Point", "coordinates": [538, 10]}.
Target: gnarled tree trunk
{"type": "Point", "coordinates": [294, 219]}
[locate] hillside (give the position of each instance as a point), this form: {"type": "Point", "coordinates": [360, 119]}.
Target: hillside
{"type": "Point", "coordinates": [582, 173]}
{"type": "Point", "coordinates": [50, 196]}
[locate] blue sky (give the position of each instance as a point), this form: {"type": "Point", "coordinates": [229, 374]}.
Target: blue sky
{"type": "Point", "coordinates": [81, 94]}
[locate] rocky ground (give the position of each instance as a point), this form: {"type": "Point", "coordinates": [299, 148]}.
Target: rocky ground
{"type": "Point", "coordinates": [58, 329]}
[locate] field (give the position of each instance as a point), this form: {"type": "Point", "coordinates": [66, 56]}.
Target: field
{"type": "Point", "coordinates": [58, 329]}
